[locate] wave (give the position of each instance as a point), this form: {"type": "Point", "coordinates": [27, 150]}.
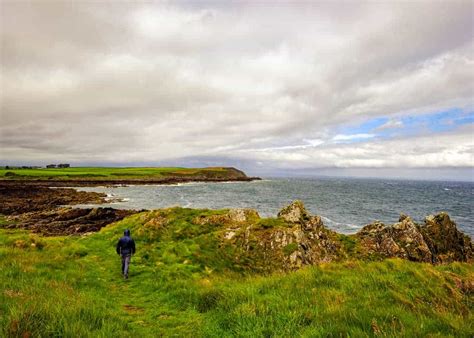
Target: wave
{"type": "Point", "coordinates": [339, 225]}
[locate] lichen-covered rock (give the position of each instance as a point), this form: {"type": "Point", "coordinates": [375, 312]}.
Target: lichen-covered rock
{"type": "Point", "coordinates": [234, 217]}
{"type": "Point", "coordinates": [402, 217]}
{"type": "Point", "coordinates": [408, 237]}
{"type": "Point", "coordinates": [402, 239]}
{"type": "Point", "coordinates": [300, 240]}
{"type": "Point", "coordinates": [243, 215]}
{"type": "Point", "coordinates": [437, 241]}
{"type": "Point", "coordinates": [294, 213]}
{"type": "Point", "coordinates": [445, 241]}
{"type": "Point", "coordinates": [313, 223]}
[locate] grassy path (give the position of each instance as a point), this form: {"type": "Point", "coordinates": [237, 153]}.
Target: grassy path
{"type": "Point", "coordinates": [82, 274]}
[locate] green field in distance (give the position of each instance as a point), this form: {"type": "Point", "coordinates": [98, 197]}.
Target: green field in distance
{"type": "Point", "coordinates": [111, 173]}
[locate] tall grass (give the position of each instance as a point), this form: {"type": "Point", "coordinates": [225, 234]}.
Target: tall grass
{"type": "Point", "coordinates": [180, 285]}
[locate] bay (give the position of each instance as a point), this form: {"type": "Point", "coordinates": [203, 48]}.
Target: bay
{"type": "Point", "coordinates": [346, 204]}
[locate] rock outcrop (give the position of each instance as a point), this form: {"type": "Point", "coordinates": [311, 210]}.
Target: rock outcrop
{"type": "Point", "coordinates": [437, 241]}
{"type": "Point", "coordinates": [295, 239]}
{"type": "Point", "coordinates": [67, 221]}
{"type": "Point", "coordinates": [445, 241]}
{"type": "Point", "coordinates": [402, 239]}
{"type": "Point", "coordinates": [294, 213]}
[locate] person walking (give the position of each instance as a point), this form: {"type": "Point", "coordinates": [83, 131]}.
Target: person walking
{"type": "Point", "coordinates": [126, 248]}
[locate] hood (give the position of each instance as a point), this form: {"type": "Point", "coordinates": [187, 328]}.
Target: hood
{"type": "Point", "coordinates": [126, 232]}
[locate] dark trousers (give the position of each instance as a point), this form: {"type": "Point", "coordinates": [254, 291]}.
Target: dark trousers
{"type": "Point", "coordinates": [125, 264]}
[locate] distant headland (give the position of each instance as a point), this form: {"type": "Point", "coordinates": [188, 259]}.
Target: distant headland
{"type": "Point", "coordinates": [65, 175]}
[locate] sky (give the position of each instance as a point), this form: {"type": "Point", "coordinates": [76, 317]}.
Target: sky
{"type": "Point", "coordinates": [371, 89]}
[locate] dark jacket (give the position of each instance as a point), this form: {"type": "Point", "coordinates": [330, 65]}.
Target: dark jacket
{"type": "Point", "coordinates": [126, 245]}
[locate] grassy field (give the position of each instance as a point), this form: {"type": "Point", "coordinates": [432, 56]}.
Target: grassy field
{"type": "Point", "coordinates": [180, 286]}
{"type": "Point", "coordinates": [108, 173]}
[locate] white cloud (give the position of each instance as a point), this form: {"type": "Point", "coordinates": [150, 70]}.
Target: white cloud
{"type": "Point", "coordinates": [390, 124]}
{"type": "Point", "coordinates": [449, 150]}
{"type": "Point", "coordinates": [343, 137]}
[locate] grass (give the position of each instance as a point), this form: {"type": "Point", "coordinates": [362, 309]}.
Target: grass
{"type": "Point", "coordinates": [183, 284]}
{"type": "Point", "coordinates": [103, 173]}
{"type": "Point", "coordinates": [271, 222]}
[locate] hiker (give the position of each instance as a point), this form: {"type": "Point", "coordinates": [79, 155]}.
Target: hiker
{"type": "Point", "coordinates": [126, 248]}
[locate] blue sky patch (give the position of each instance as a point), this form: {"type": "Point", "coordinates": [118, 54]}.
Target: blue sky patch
{"type": "Point", "coordinates": [385, 127]}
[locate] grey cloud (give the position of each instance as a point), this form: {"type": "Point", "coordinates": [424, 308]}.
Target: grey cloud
{"type": "Point", "coordinates": [153, 82]}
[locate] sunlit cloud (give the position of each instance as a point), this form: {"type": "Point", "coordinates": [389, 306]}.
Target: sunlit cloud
{"type": "Point", "coordinates": [342, 137]}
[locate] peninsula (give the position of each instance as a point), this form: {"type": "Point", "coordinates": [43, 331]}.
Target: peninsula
{"type": "Point", "coordinates": [94, 176]}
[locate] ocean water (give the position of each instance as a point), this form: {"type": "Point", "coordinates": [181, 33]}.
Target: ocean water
{"type": "Point", "coordinates": [345, 204]}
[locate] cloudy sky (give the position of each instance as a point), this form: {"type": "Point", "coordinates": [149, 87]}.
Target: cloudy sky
{"type": "Point", "coordinates": [366, 89]}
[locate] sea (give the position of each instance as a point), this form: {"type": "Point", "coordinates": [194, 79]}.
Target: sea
{"type": "Point", "coordinates": [345, 204]}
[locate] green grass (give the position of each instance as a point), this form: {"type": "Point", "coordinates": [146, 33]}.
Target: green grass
{"type": "Point", "coordinates": [271, 222]}
{"type": "Point", "coordinates": [103, 173]}
{"type": "Point", "coordinates": [3, 220]}
{"type": "Point", "coordinates": [182, 284]}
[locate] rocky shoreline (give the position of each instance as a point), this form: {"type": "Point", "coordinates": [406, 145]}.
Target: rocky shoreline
{"type": "Point", "coordinates": [41, 209]}
{"type": "Point", "coordinates": [98, 182]}
{"type": "Point", "coordinates": [436, 241]}
{"type": "Point", "coordinates": [67, 221]}
{"type": "Point", "coordinates": [294, 239]}
{"type": "Point", "coordinates": [43, 206]}
{"type": "Point", "coordinates": [21, 197]}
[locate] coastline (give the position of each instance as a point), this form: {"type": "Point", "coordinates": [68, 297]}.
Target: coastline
{"type": "Point", "coordinates": [49, 210]}
{"type": "Point", "coordinates": [114, 182]}
{"type": "Point", "coordinates": [220, 259]}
